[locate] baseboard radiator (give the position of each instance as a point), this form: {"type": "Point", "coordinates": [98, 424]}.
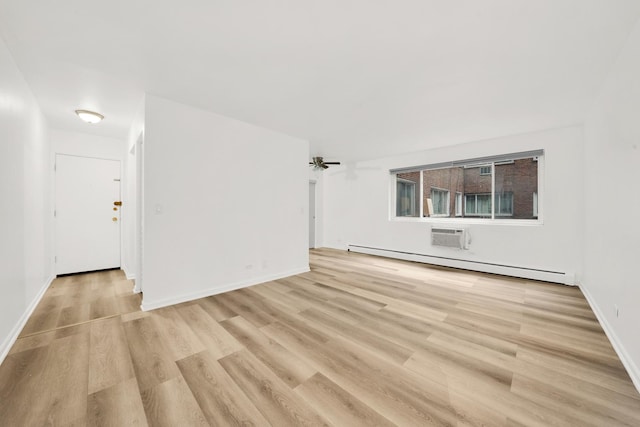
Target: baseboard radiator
{"type": "Point", "coordinates": [564, 278]}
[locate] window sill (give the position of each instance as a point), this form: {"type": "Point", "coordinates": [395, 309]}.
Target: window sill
{"type": "Point", "coordinates": [469, 221]}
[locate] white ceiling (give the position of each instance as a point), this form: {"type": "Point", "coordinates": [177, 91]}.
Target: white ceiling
{"type": "Point", "coordinates": [357, 78]}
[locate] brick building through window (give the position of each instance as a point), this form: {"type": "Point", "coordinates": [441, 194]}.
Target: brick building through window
{"type": "Point", "coordinates": [466, 191]}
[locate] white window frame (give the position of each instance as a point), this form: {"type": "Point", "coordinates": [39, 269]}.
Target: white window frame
{"type": "Point", "coordinates": [476, 214]}
{"type": "Point", "coordinates": [458, 201]}
{"type": "Point", "coordinates": [497, 213]}
{"type": "Point", "coordinates": [447, 202]}
{"type": "Point", "coordinates": [413, 202]}
{"type": "Point", "coordinates": [535, 155]}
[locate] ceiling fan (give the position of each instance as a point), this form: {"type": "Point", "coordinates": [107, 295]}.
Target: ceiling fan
{"type": "Point", "coordinates": [319, 163]}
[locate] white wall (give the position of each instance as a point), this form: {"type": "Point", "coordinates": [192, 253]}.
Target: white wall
{"type": "Point", "coordinates": [357, 200]}
{"type": "Point", "coordinates": [25, 202]}
{"type": "Point", "coordinates": [85, 144]}
{"type": "Point", "coordinates": [226, 204]}
{"type": "Point", "coordinates": [612, 204]}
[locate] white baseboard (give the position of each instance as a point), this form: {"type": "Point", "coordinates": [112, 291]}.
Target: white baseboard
{"type": "Point", "coordinates": [152, 305]}
{"type": "Point", "coordinates": [15, 332]}
{"type": "Point", "coordinates": [129, 275]}
{"type": "Point", "coordinates": [629, 364]}
{"type": "Point", "coordinates": [485, 267]}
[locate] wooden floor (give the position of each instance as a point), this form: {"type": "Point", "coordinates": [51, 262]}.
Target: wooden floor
{"type": "Point", "coordinates": [359, 340]}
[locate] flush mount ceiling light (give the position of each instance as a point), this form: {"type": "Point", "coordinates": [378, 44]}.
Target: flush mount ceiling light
{"type": "Point", "coordinates": [89, 116]}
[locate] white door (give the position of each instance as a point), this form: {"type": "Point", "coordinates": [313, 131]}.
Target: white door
{"type": "Point", "coordinates": [312, 215]}
{"type": "Point", "coordinates": [87, 218]}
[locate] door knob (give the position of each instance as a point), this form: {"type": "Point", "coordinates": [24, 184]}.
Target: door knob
{"type": "Point", "coordinates": [114, 219]}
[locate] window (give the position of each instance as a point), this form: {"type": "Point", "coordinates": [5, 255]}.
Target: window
{"type": "Point", "coordinates": [485, 170]}
{"type": "Point", "coordinates": [480, 204]}
{"type": "Point", "coordinates": [504, 204]}
{"type": "Point", "coordinates": [501, 187]}
{"type": "Point", "coordinates": [477, 205]}
{"type": "Point", "coordinates": [458, 204]}
{"type": "Point", "coordinates": [440, 202]}
{"type": "Point", "coordinates": [406, 198]}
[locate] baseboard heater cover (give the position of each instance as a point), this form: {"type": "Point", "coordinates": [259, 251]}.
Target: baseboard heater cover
{"type": "Point", "coordinates": [485, 267]}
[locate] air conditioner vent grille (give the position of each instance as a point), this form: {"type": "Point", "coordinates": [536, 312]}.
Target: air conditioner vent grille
{"type": "Point", "coordinates": [448, 237]}
{"type": "Point", "coordinates": [446, 230]}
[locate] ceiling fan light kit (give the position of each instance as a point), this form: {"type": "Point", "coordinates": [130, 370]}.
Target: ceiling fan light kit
{"type": "Point", "coordinates": [319, 163]}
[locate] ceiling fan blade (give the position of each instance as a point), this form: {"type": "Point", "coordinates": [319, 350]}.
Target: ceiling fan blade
{"type": "Point", "coordinates": [319, 163]}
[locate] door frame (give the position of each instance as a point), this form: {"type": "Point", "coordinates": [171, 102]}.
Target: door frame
{"type": "Point", "coordinates": [313, 201]}
{"type": "Point", "coordinates": [54, 201]}
{"type": "Point", "coordinates": [139, 220]}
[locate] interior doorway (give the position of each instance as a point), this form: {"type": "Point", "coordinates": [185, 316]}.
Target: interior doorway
{"type": "Point", "coordinates": [312, 215]}
{"type": "Point", "coordinates": [139, 213]}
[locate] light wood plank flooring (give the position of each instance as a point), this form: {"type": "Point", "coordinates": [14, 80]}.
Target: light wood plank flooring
{"type": "Point", "coordinates": [359, 340]}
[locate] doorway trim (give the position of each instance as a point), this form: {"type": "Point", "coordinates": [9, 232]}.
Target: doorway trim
{"type": "Point", "coordinates": [313, 229]}
{"type": "Point", "coordinates": [55, 232]}
{"type": "Point", "coordinates": [139, 220]}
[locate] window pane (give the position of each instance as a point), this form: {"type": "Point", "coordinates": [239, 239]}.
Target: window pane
{"type": "Point", "coordinates": [440, 201]}
{"type": "Point", "coordinates": [470, 204]}
{"type": "Point", "coordinates": [407, 194]}
{"type": "Point", "coordinates": [483, 204]}
{"type": "Point", "coordinates": [477, 186]}
{"type": "Point", "coordinates": [478, 205]}
{"type": "Point", "coordinates": [510, 187]}
{"type": "Point", "coordinates": [504, 204]}
{"type": "Point", "coordinates": [440, 185]}
{"type": "Point", "coordinates": [516, 184]}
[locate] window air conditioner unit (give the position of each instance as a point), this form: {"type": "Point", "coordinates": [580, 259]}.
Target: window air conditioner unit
{"type": "Point", "coordinates": [448, 237]}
